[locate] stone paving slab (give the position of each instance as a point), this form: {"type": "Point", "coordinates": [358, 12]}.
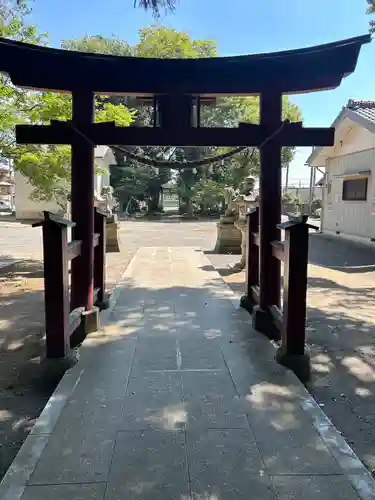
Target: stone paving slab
{"type": "Point", "coordinates": [178, 398]}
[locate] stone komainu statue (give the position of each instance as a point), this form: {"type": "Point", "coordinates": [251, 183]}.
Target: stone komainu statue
{"type": "Point", "coordinates": [230, 195]}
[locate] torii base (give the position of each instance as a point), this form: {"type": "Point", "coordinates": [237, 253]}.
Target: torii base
{"type": "Point", "coordinates": [299, 363]}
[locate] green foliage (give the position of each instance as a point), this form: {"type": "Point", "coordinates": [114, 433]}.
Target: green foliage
{"type": "Point", "coordinates": [99, 45]}
{"type": "Point", "coordinates": [208, 195]}
{"type": "Point", "coordinates": [371, 11]}
{"type": "Point", "coordinates": [46, 167]}
{"type": "Point", "coordinates": [156, 6]}
{"type": "Point", "coordinates": [136, 179]}
{"type": "Point", "coordinates": [231, 111]}
{"type": "Point", "coordinates": [288, 197]}
{"type": "Point", "coordinates": [164, 42]}
{"type": "Point", "coordinates": [168, 43]}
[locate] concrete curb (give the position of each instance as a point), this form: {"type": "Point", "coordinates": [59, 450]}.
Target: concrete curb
{"type": "Point", "coordinates": [14, 482]}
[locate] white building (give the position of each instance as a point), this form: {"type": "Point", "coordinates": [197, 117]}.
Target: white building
{"type": "Point", "coordinates": [169, 198]}
{"type": "Point", "coordinates": [349, 186]}
{"type": "Point", "coordinates": [29, 209]}
{"type": "Point", "coordinates": [6, 185]}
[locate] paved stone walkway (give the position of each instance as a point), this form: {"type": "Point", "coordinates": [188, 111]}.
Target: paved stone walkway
{"type": "Point", "coordinates": [176, 399]}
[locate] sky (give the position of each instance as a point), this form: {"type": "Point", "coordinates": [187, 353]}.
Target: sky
{"type": "Point", "coordinates": [238, 27]}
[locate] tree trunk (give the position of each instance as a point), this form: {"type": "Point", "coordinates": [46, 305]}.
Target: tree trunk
{"type": "Point", "coordinates": [189, 208]}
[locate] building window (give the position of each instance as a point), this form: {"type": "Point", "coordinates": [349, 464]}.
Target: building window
{"type": "Point", "coordinates": [354, 190]}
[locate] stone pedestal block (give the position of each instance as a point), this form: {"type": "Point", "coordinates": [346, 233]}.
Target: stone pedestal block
{"type": "Point", "coordinates": [241, 226]}
{"type": "Point", "coordinates": [228, 237]}
{"type": "Point", "coordinates": [112, 243]}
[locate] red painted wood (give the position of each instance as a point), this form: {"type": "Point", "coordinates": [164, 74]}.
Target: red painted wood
{"type": "Point", "coordinates": [295, 287]}
{"type": "Point", "coordinates": [292, 134]}
{"type": "Point", "coordinates": [82, 202]}
{"type": "Point", "coordinates": [100, 256]}
{"type": "Point", "coordinates": [311, 68]}
{"type": "Point", "coordinates": [174, 113]}
{"type": "Point", "coordinates": [252, 252]}
{"type": "Point", "coordinates": [255, 294]}
{"type": "Point", "coordinates": [74, 249]}
{"type": "Point", "coordinates": [278, 250]}
{"type": "Point", "coordinates": [96, 238]}
{"type": "Point", "coordinates": [56, 289]}
{"type": "Point", "coordinates": [269, 201]}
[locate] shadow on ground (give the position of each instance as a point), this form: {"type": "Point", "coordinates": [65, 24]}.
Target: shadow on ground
{"type": "Point", "coordinates": [155, 331]}
{"type": "Point", "coordinates": [24, 389]}
{"type": "Point", "coordinates": [342, 350]}
{"type": "Point", "coordinates": [341, 255]}
{"type": "Point", "coordinates": [24, 385]}
{"type": "Point", "coordinates": [341, 339]}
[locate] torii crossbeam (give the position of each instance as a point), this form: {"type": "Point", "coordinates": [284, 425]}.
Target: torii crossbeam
{"type": "Point", "coordinates": [177, 85]}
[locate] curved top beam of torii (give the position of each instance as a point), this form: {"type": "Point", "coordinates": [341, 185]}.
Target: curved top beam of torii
{"type": "Point", "coordinates": [303, 70]}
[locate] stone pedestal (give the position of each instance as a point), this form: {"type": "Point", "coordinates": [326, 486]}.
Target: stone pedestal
{"type": "Point", "coordinates": [241, 226]}
{"type": "Point", "coordinates": [112, 243]}
{"type": "Point", "coordinates": [228, 236]}
{"type": "Point", "coordinates": [245, 204]}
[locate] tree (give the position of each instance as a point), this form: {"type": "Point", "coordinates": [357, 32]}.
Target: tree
{"type": "Point", "coordinates": [156, 5]}
{"type": "Point", "coordinates": [231, 111]}
{"type": "Point", "coordinates": [100, 45]}
{"type": "Point", "coordinates": [208, 195]}
{"type": "Point", "coordinates": [371, 11]}
{"type": "Point", "coordinates": [164, 42]}
{"type": "Point", "coordinates": [154, 41]}
{"type": "Point", "coordinates": [46, 167]}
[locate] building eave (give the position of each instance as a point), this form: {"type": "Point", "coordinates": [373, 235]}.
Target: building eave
{"type": "Point", "coordinates": [345, 113]}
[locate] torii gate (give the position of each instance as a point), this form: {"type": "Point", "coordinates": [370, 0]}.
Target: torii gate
{"type": "Point", "coordinates": [177, 86]}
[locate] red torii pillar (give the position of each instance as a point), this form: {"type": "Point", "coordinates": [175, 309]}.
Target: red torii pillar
{"type": "Point", "coordinates": [269, 212]}
{"type": "Point", "coordinates": [82, 201]}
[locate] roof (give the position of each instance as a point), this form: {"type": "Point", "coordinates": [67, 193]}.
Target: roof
{"type": "Point", "coordinates": [170, 185]}
{"type": "Point", "coordinates": [314, 68]}
{"type": "Point", "coordinates": [100, 151]}
{"type": "Point", "coordinates": [365, 109]}
{"type": "Point", "coordinates": [321, 181]}
{"type": "Point", "coordinates": [105, 153]}
{"type": "Point", "coordinates": [360, 112]}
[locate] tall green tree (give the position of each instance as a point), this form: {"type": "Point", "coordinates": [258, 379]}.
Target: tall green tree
{"type": "Point", "coordinates": [164, 42]}
{"type": "Point", "coordinates": [154, 41]}
{"type": "Point", "coordinates": [167, 43]}
{"type": "Point", "coordinates": [46, 167]}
